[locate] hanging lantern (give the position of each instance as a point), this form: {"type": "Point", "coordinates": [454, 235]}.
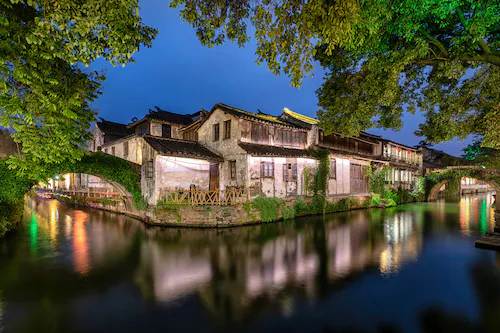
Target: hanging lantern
{"type": "Point", "coordinates": [399, 149]}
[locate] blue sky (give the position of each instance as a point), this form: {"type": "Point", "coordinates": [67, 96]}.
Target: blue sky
{"type": "Point", "coordinates": [179, 75]}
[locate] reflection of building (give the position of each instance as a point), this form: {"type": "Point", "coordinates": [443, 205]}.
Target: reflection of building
{"type": "Point", "coordinates": [404, 241]}
{"type": "Point", "coordinates": [232, 277]}
{"type": "Point", "coordinates": [472, 185]}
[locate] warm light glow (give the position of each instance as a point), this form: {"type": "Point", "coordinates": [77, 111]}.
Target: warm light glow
{"type": "Point", "coordinates": [54, 219]}
{"type": "Point", "coordinates": [80, 243]}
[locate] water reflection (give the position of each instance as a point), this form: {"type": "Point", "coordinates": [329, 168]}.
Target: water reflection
{"type": "Point", "coordinates": [68, 269]}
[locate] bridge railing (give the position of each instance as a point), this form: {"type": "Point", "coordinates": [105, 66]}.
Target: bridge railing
{"type": "Point", "coordinates": [231, 196]}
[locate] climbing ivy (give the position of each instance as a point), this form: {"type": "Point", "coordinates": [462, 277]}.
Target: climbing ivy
{"type": "Point", "coordinates": [115, 169]}
{"type": "Point", "coordinates": [12, 190]}
{"type": "Point", "coordinates": [320, 182]}
{"type": "Point", "coordinates": [105, 166]}
{"type": "Point", "coordinates": [454, 175]}
{"type": "Point", "coordinates": [377, 179]}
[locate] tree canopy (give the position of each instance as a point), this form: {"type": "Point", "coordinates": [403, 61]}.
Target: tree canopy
{"type": "Point", "coordinates": [382, 57]}
{"type": "Point", "coordinates": [483, 156]}
{"type": "Point", "coordinates": [46, 90]}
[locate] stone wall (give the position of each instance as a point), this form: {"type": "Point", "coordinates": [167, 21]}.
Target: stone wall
{"type": "Point", "coordinates": [222, 216]}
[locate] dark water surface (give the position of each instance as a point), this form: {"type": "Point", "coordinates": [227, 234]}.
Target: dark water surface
{"type": "Point", "coordinates": [411, 268]}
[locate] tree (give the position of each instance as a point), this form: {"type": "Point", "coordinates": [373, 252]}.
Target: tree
{"type": "Point", "coordinates": [45, 89]}
{"type": "Point", "coordinates": [479, 155]}
{"type": "Point", "coordinates": [382, 57]}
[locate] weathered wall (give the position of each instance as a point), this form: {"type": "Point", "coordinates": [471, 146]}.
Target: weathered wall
{"type": "Point", "coordinates": [277, 186]}
{"type": "Point", "coordinates": [341, 185]}
{"type": "Point", "coordinates": [156, 129]}
{"type": "Point", "coordinates": [134, 149]}
{"type": "Point", "coordinates": [227, 148]}
{"type": "Point", "coordinates": [7, 145]}
{"type": "Point", "coordinates": [221, 216]}
{"type": "Point", "coordinates": [206, 216]}
{"type": "Point", "coordinates": [97, 139]}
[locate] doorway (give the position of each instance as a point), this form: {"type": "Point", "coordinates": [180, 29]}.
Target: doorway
{"type": "Point", "coordinates": [214, 176]}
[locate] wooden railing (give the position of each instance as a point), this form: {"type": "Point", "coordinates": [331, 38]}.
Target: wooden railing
{"type": "Point", "coordinates": [231, 196]}
{"type": "Point", "coordinates": [88, 193]}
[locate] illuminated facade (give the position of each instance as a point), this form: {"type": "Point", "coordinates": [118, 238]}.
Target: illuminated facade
{"type": "Point", "coordinates": [263, 154]}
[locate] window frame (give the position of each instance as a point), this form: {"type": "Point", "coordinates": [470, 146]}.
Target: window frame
{"type": "Point", "coordinates": [290, 172]}
{"type": "Point", "coordinates": [216, 132]}
{"type": "Point", "coordinates": [231, 165]}
{"type": "Point", "coordinates": [113, 151]}
{"type": "Point", "coordinates": [267, 166]}
{"type": "Point", "coordinates": [227, 129]}
{"type": "Point", "coordinates": [333, 168]}
{"type": "Point", "coordinates": [125, 149]}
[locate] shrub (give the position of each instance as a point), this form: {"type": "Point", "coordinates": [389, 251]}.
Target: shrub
{"type": "Point", "coordinates": [300, 206]}
{"type": "Point", "coordinates": [268, 207]}
{"type": "Point", "coordinates": [375, 200]}
{"type": "Point", "coordinates": [288, 213]}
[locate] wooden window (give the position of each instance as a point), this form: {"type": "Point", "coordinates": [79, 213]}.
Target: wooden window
{"type": "Point", "coordinates": [149, 169]}
{"type": "Point", "coordinates": [333, 168]}
{"type": "Point", "coordinates": [106, 150]}
{"type": "Point", "coordinates": [267, 170]}
{"type": "Point", "coordinates": [166, 131]}
{"type": "Point", "coordinates": [232, 169]}
{"type": "Point", "coordinates": [227, 129]}
{"type": "Point", "coordinates": [113, 150]}
{"type": "Point", "coordinates": [290, 172]}
{"type": "Point", "coordinates": [216, 132]}
{"type": "Point", "coordinates": [125, 149]}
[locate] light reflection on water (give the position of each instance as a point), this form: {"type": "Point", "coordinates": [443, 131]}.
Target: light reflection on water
{"type": "Point", "coordinates": [65, 268]}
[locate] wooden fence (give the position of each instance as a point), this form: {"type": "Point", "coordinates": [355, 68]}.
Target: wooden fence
{"type": "Point", "coordinates": [231, 196]}
{"type": "Point", "coordinates": [92, 193]}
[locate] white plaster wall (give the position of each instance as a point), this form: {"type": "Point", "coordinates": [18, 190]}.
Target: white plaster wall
{"type": "Point", "coordinates": [277, 187]}
{"type": "Point", "coordinates": [179, 173]}
{"type": "Point", "coordinates": [97, 139]}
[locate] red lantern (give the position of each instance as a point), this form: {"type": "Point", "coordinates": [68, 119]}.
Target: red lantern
{"type": "Point", "coordinates": [409, 151]}
{"type": "Point", "coordinates": [399, 149]}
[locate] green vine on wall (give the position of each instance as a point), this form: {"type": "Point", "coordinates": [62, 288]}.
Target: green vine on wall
{"type": "Point", "coordinates": [320, 182]}
{"type": "Point", "coordinates": [454, 176]}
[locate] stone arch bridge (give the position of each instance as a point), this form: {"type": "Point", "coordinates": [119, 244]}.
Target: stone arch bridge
{"type": "Point", "coordinates": [438, 177]}
{"type": "Point", "coordinates": [123, 175]}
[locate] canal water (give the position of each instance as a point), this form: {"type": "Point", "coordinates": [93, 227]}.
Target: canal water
{"type": "Point", "coordinates": [411, 268]}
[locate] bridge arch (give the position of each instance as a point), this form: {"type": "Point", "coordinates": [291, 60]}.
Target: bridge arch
{"type": "Point", "coordinates": [436, 179]}
{"type": "Point", "coordinates": [123, 175]}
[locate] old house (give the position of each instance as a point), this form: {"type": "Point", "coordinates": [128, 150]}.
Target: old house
{"type": "Point", "coordinates": [349, 157]}
{"type": "Point", "coordinates": [262, 153]}
{"type": "Point", "coordinates": [404, 164]}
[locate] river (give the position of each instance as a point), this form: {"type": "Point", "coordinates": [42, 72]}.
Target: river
{"type": "Point", "coordinates": [411, 268]}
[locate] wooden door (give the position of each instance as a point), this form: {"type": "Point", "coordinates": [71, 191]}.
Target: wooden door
{"type": "Point", "coordinates": [214, 177]}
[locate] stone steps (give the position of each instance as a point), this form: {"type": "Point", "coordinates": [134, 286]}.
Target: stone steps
{"type": "Point", "coordinates": [490, 241]}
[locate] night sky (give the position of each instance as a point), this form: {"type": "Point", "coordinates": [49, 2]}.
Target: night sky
{"type": "Point", "coordinates": [178, 74]}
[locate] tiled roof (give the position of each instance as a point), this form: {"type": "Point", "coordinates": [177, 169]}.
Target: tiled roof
{"type": "Point", "coordinates": [181, 148]}
{"type": "Point", "coordinates": [265, 150]}
{"type": "Point", "coordinates": [301, 117]}
{"type": "Point", "coordinates": [176, 118]}
{"type": "Point", "coordinates": [257, 116]}
{"type": "Point", "coordinates": [162, 115]}
{"type": "Point", "coordinates": [109, 127]}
